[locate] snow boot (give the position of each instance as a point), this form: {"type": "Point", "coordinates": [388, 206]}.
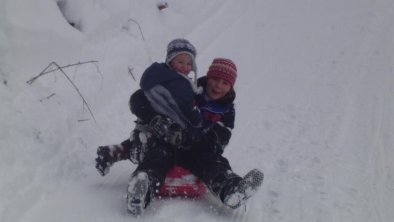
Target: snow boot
{"type": "Point", "coordinates": [138, 195]}
{"type": "Point", "coordinates": [110, 154]}
{"type": "Point", "coordinates": [238, 193]}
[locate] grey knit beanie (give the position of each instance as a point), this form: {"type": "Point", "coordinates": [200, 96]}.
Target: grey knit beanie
{"type": "Point", "coordinates": [179, 46]}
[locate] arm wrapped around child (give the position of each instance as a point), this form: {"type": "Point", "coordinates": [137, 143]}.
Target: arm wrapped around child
{"type": "Point", "coordinates": [215, 135]}
{"type": "Point", "coordinates": [218, 137]}
{"type": "Point", "coordinates": [161, 126]}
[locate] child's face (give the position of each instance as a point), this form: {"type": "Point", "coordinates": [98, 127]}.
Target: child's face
{"type": "Point", "coordinates": [182, 63]}
{"type": "Point", "coordinates": [217, 88]}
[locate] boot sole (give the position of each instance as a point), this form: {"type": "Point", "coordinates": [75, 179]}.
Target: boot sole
{"type": "Point", "coordinates": [136, 193]}
{"type": "Point", "coordinates": [248, 186]}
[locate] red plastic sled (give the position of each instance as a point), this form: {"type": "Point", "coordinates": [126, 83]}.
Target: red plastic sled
{"type": "Point", "coordinates": [181, 182]}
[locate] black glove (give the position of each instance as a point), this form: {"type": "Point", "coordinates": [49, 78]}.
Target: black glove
{"type": "Point", "coordinates": [159, 125]}
{"type": "Point", "coordinates": [104, 160]}
{"type": "Point", "coordinates": [219, 136]}
{"type": "Point", "coordinates": [171, 132]}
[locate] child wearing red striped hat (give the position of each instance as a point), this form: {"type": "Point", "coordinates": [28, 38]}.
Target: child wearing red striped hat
{"type": "Point", "coordinates": [223, 73]}
{"type": "Point", "coordinates": [202, 155]}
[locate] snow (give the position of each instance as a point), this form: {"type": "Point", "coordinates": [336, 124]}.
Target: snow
{"type": "Point", "coordinates": [314, 105]}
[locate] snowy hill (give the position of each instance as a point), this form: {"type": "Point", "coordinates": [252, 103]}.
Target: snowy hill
{"type": "Point", "coordinates": [314, 105]}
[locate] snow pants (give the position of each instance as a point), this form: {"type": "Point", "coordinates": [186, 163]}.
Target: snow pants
{"type": "Point", "coordinates": [213, 169]}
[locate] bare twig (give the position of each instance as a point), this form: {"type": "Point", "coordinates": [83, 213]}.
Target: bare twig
{"type": "Point", "coordinates": [46, 71]}
{"type": "Point", "coordinates": [3, 77]}
{"type": "Point", "coordinates": [76, 88]}
{"type": "Point", "coordinates": [83, 120]}
{"type": "Point", "coordinates": [142, 35]}
{"type": "Point", "coordinates": [139, 27]}
{"type": "Point", "coordinates": [48, 97]}
{"type": "Point", "coordinates": [131, 73]}
{"type": "Point", "coordinates": [68, 78]}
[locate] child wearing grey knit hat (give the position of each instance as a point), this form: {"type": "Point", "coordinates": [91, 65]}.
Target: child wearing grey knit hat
{"type": "Point", "coordinates": [169, 89]}
{"type": "Point", "coordinates": [180, 46]}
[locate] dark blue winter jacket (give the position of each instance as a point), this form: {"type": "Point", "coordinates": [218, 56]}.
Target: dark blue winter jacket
{"type": "Point", "coordinates": [219, 117]}
{"type": "Point", "coordinates": [171, 94]}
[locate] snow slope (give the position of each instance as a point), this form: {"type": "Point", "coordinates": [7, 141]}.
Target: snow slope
{"type": "Point", "coordinates": [314, 105]}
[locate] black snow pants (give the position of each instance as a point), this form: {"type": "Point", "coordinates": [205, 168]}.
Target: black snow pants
{"type": "Point", "coordinates": [212, 168]}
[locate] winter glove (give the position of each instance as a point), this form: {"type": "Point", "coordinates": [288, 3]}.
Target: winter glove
{"type": "Point", "coordinates": [104, 160]}
{"type": "Point", "coordinates": [164, 127]}
{"type": "Point", "coordinates": [159, 126]}
{"type": "Point", "coordinates": [218, 136]}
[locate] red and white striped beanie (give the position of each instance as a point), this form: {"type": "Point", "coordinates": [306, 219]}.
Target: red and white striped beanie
{"type": "Point", "coordinates": [224, 69]}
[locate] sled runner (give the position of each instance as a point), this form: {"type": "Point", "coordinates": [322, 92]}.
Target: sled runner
{"type": "Point", "coordinates": [181, 182]}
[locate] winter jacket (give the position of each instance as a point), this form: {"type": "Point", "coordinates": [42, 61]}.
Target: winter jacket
{"type": "Point", "coordinates": [172, 94]}
{"type": "Point", "coordinates": [219, 117]}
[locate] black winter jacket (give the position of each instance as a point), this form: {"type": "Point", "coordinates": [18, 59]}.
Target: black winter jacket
{"type": "Point", "coordinates": [171, 94]}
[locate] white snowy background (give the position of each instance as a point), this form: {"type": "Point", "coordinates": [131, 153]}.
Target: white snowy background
{"type": "Point", "coordinates": [315, 105]}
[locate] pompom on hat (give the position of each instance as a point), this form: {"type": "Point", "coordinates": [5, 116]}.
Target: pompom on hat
{"type": "Point", "coordinates": [223, 69]}
{"type": "Point", "coordinates": [179, 46]}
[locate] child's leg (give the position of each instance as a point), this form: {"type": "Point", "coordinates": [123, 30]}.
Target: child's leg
{"type": "Point", "coordinates": [149, 176]}
{"type": "Point", "coordinates": [132, 149]}
{"type": "Point", "coordinates": [232, 189]}
{"type": "Point", "coordinates": [138, 195]}
{"type": "Point", "coordinates": [214, 170]}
